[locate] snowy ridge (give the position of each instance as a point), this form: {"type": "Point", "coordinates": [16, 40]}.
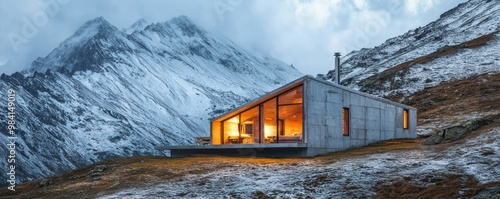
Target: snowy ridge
{"type": "Point", "coordinates": [463, 23]}
{"type": "Point", "coordinates": [136, 26]}
{"type": "Point", "coordinates": [465, 63]}
{"type": "Point", "coordinates": [104, 94]}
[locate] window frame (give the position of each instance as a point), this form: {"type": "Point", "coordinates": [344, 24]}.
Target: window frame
{"type": "Point", "coordinates": [406, 118]}
{"type": "Point", "coordinates": [260, 107]}
{"type": "Point", "coordinates": [346, 121]}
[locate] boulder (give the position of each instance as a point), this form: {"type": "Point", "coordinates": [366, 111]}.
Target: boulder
{"type": "Point", "coordinates": [434, 139]}
{"type": "Point", "coordinates": [455, 132]}
{"type": "Point", "coordinates": [490, 192]}
{"type": "Point", "coordinates": [44, 183]}
{"type": "Point", "coordinates": [97, 171]}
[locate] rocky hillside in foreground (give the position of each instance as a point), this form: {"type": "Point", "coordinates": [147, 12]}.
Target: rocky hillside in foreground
{"type": "Point", "coordinates": [105, 93]}
{"type": "Point", "coordinates": [467, 167]}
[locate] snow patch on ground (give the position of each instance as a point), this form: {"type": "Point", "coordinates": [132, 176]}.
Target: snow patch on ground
{"type": "Point", "coordinates": [345, 178]}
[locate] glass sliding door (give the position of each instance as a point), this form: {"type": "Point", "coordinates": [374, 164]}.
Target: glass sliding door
{"type": "Point", "coordinates": [231, 130]}
{"type": "Point", "coordinates": [250, 132]}
{"type": "Point", "coordinates": [270, 121]}
{"type": "Point", "coordinates": [290, 116]}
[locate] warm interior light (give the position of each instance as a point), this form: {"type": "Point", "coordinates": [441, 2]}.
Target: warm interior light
{"type": "Point", "coordinates": [405, 118]}
{"type": "Point", "coordinates": [233, 120]}
{"type": "Point", "coordinates": [345, 121]}
{"type": "Point", "coordinates": [232, 129]}
{"type": "Point", "coordinates": [269, 131]}
{"type": "Point", "coordinates": [232, 133]}
{"type": "Point", "coordinates": [297, 101]}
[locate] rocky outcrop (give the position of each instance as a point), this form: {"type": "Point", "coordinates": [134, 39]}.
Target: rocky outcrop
{"type": "Point", "coordinates": [490, 192]}
{"type": "Point", "coordinates": [455, 132]}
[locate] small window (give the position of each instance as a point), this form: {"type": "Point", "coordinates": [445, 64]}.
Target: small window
{"type": "Point", "coordinates": [405, 118]}
{"type": "Point", "coordinates": [345, 122]}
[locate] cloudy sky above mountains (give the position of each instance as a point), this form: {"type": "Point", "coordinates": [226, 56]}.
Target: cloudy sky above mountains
{"type": "Point", "coordinates": [304, 33]}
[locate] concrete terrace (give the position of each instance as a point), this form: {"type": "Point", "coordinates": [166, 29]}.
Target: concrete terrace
{"type": "Point", "coordinates": [256, 150]}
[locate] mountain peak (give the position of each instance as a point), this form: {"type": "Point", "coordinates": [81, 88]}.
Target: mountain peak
{"type": "Point", "coordinates": [186, 25]}
{"type": "Point", "coordinates": [136, 26]}
{"type": "Point", "coordinates": [150, 88]}
{"type": "Point", "coordinates": [182, 19]}
{"type": "Point", "coordinates": [94, 26]}
{"type": "Point", "coordinates": [99, 19]}
{"type": "Point", "coordinates": [95, 29]}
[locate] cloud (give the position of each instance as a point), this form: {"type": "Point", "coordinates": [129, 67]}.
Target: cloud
{"type": "Point", "coordinates": [315, 13]}
{"type": "Point", "coordinates": [363, 30]}
{"type": "Point", "coordinates": [361, 4]}
{"type": "Point", "coordinates": [304, 33]}
{"type": "Point", "coordinates": [417, 6]}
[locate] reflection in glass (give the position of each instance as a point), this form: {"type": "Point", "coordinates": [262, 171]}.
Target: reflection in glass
{"type": "Point", "coordinates": [278, 120]}
{"type": "Point", "coordinates": [270, 121]}
{"type": "Point", "coordinates": [291, 119]}
{"type": "Point", "coordinates": [291, 97]}
{"type": "Point", "coordinates": [250, 126]}
{"type": "Point", "coordinates": [231, 130]}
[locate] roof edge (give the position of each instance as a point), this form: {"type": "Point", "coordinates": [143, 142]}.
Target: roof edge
{"type": "Point", "coordinates": [362, 93]}
{"type": "Point", "coordinates": [264, 96]}
{"type": "Point", "coordinates": [300, 80]}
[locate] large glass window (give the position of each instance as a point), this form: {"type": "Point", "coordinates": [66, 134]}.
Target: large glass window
{"type": "Point", "coordinates": [405, 119]}
{"type": "Point", "coordinates": [278, 120]}
{"type": "Point", "coordinates": [270, 121]}
{"type": "Point", "coordinates": [291, 97]}
{"type": "Point", "coordinates": [250, 126]}
{"type": "Point", "coordinates": [345, 121]}
{"type": "Point", "coordinates": [231, 130]}
{"type": "Point", "coordinates": [290, 116]}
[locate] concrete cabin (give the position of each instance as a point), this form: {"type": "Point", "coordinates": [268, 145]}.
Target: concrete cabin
{"type": "Point", "coordinates": [306, 117]}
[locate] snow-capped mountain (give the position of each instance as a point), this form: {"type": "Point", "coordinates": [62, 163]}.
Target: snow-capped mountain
{"type": "Point", "coordinates": [449, 48]}
{"type": "Point", "coordinates": [137, 26]}
{"type": "Point", "coordinates": [107, 93]}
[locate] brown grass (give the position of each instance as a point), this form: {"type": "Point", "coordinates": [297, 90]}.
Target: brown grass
{"type": "Point", "coordinates": [130, 172]}
{"type": "Point", "coordinates": [379, 147]}
{"type": "Point", "coordinates": [478, 94]}
{"type": "Point", "coordinates": [441, 186]}
{"type": "Point", "coordinates": [137, 172]}
{"type": "Point", "coordinates": [448, 101]}
{"type": "Point", "coordinates": [140, 172]}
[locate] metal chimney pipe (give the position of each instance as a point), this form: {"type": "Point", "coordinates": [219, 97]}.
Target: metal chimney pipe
{"type": "Point", "coordinates": [337, 67]}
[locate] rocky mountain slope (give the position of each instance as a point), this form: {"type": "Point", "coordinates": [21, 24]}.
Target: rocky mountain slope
{"type": "Point", "coordinates": [467, 167]}
{"type": "Point", "coordinates": [463, 42]}
{"type": "Point", "coordinates": [106, 93]}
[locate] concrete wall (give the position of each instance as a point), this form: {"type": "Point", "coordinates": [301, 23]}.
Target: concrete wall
{"type": "Point", "coordinates": [371, 119]}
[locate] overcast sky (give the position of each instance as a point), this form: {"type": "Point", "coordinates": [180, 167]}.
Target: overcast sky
{"type": "Point", "coordinates": [304, 33]}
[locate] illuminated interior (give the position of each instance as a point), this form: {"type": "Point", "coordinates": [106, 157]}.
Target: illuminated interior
{"type": "Point", "coordinates": [405, 118]}
{"type": "Point", "coordinates": [277, 120]}
{"type": "Point", "coordinates": [345, 121]}
{"type": "Point", "coordinates": [270, 122]}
